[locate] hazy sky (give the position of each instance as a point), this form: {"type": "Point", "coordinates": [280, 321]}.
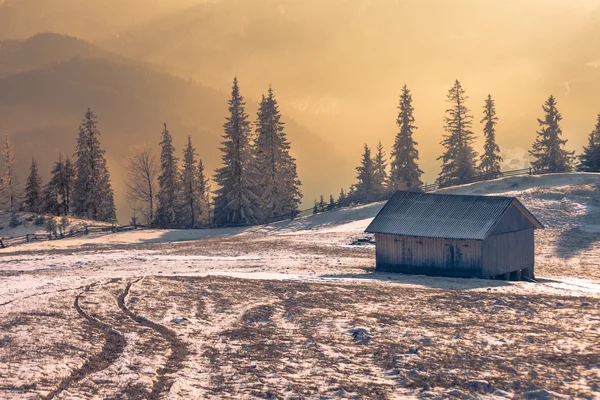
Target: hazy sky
{"type": "Point", "coordinates": [338, 66]}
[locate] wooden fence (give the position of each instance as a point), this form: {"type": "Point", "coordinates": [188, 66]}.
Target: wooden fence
{"type": "Point", "coordinates": [84, 230]}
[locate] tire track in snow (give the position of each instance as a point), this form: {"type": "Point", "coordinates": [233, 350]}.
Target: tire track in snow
{"type": "Point", "coordinates": [179, 350]}
{"type": "Point", "coordinates": [114, 344]}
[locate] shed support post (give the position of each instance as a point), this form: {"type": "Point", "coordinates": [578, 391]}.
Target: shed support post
{"type": "Point", "coordinates": [506, 277]}
{"type": "Point", "coordinates": [515, 276]}
{"type": "Point", "coordinates": [528, 274]}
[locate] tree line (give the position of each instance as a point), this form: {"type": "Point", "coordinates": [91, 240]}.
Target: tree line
{"type": "Point", "coordinates": [461, 164]}
{"type": "Point", "coordinates": [258, 179]}
{"type": "Point", "coordinates": [80, 188]}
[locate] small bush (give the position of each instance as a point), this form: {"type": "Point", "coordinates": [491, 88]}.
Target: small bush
{"type": "Point", "coordinates": [40, 220]}
{"type": "Point", "coordinates": [50, 226]}
{"type": "Point", "coordinates": [14, 221]}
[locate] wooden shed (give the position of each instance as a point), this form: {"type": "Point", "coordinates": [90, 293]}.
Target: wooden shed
{"type": "Point", "coordinates": [455, 235]}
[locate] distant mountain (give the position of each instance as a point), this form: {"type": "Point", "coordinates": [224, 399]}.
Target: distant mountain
{"type": "Point", "coordinates": [43, 107]}
{"type": "Point", "coordinates": [20, 19]}
{"type": "Point", "coordinates": [44, 49]}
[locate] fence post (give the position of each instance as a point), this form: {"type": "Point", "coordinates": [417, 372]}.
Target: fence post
{"type": "Point", "coordinates": [2, 244]}
{"type": "Point", "coordinates": [529, 170]}
{"type": "Point", "coordinates": [86, 229]}
{"type": "Point", "coordinates": [27, 238]}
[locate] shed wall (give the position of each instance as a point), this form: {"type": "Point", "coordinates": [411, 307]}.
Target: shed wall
{"type": "Point", "coordinates": [430, 256]}
{"type": "Point", "coordinates": [508, 252]}
{"type": "Point", "coordinates": [511, 221]}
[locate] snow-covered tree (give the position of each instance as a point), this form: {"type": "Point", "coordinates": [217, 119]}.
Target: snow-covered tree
{"type": "Point", "coordinates": [203, 194]}
{"type": "Point", "coordinates": [490, 159]}
{"type": "Point", "coordinates": [142, 180]}
{"type": "Point", "coordinates": [8, 181]}
{"type": "Point", "coordinates": [236, 199]}
{"type": "Point", "coordinates": [364, 190]}
{"type": "Point", "coordinates": [168, 183]}
{"type": "Point", "coordinates": [189, 194]}
{"type": "Point", "coordinates": [405, 173]}
{"type": "Point", "coordinates": [458, 161]}
{"type": "Point", "coordinates": [33, 189]}
{"type": "Point", "coordinates": [278, 180]}
{"type": "Point", "coordinates": [548, 148]}
{"type": "Point", "coordinates": [93, 194]}
{"type": "Point", "coordinates": [57, 194]}
{"type": "Point", "coordinates": [590, 158]}
{"type": "Point", "coordinates": [380, 176]}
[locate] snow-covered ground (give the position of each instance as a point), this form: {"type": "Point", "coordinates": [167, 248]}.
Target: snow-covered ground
{"type": "Point", "coordinates": [267, 311]}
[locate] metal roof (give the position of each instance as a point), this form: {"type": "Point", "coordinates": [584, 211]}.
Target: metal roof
{"type": "Point", "coordinates": [443, 215]}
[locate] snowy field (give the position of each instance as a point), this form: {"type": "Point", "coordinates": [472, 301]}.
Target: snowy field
{"type": "Point", "coordinates": [294, 310]}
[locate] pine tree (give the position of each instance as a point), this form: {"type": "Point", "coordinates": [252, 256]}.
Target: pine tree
{"type": "Point", "coordinates": [458, 161]}
{"type": "Point", "coordinates": [331, 204]}
{"type": "Point", "coordinates": [380, 177]}
{"type": "Point", "coordinates": [236, 199]}
{"type": "Point", "coordinates": [590, 159]}
{"type": "Point", "coordinates": [168, 184]}
{"type": "Point", "coordinates": [322, 204]}
{"type": "Point", "coordinates": [548, 148]}
{"type": "Point", "coordinates": [8, 180]}
{"type": "Point", "coordinates": [278, 182]}
{"type": "Point", "coordinates": [33, 189]}
{"type": "Point", "coordinates": [189, 187]}
{"type": "Point", "coordinates": [93, 194]}
{"type": "Point", "coordinates": [490, 159]}
{"type": "Point", "coordinates": [315, 208]}
{"type": "Point", "coordinates": [342, 198]}
{"type": "Point", "coordinates": [405, 173]}
{"type": "Point", "coordinates": [58, 191]}
{"type": "Point", "coordinates": [203, 194]}
{"type": "Point", "coordinates": [364, 190]}
{"type": "Point", "coordinates": [67, 186]}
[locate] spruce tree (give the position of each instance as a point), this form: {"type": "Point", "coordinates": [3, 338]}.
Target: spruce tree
{"type": "Point", "coordinates": [405, 173]}
{"type": "Point", "coordinates": [58, 191]}
{"type": "Point", "coordinates": [8, 180]}
{"type": "Point", "coordinates": [93, 194]}
{"type": "Point", "coordinates": [342, 198]}
{"type": "Point", "coordinates": [189, 187]}
{"type": "Point", "coordinates": [278, 181]}
{"type": "Point", "coordinates": [315, 208]}
{"type": "Point", "coordinates": [364, 189]}
{"type": "Point", "coordinates": [489, 164]}
{"type": "Point", "coordinates": [322, 204]}
{"type": "Point", "coordinates": [548, 148]}
{"type": "Point", "coordinates": [458, 161]}
{"type": "Point", "coordinates": [33, 189]}
{"type": "Point", "coordinates": [331, 204]}
{"type": "Point", "coordinates": [380, 177]}
{"type": "Point", "coordinates": [236, 202]}
{"type": "Point", "coordinates": [203, 194]}
{"type": "Point", "coordinates": [590, 158]}
{"type": "Point", "coordinates": [168, 185]}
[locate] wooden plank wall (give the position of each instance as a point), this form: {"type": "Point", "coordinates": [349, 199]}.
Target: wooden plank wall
{"type": "Point", "coordinates": [430, 256]}
{"type": "Point", "coordinates": [511, 221]}
{"type": "Point", "coordinates": [508, 252]}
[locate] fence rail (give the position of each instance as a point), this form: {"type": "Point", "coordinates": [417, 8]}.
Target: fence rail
{"type": "Point", "coordinates": [84, 230]}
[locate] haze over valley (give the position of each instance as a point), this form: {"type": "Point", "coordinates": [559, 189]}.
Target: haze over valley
{"type": "Point", "coordinates": [337, 69]}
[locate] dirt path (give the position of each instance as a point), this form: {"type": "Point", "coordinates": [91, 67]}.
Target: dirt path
{"type": "Point", "coordinates": [179, 349]}
{"type": "Point", "coordinates": [114, 343]}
